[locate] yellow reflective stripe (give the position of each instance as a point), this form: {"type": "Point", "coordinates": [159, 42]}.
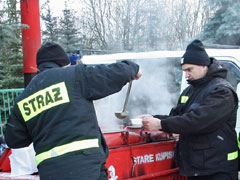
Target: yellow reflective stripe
{"type": "Point", "coordinates": [184, 99]}
{"type": "Point", "coordinates": [42, 100]}
{"type": "Point", "coordinates": [66, 148]}
{"type": "Point", "coordinates": [232, 156]}
{"type": "Point", "coordinates": [238, 142]}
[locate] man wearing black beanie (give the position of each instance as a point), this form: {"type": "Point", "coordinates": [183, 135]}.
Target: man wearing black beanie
{"type": "Point", "coordinates": [52, 52]}
{"type": "Point", "coordinates": [204, 118]}
{"type": "Point", "coordinates": [56, 113]}
{"type": "Point", "coordinates": [196, 54]}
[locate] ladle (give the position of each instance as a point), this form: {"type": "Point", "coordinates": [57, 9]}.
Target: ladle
{"type": "Point", "coordinates": [124, 113]}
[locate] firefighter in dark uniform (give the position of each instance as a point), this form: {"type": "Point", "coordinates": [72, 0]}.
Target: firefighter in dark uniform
{"type": "Point", "coordinates": [56, 113]}
{"type": "Point", "coordinates": [205, 119]}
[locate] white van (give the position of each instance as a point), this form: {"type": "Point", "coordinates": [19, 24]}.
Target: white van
{"type": "Point", "coordinates": [160, 86]}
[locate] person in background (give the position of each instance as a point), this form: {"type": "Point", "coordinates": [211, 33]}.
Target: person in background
{"type": "Point", "coordinates": [56, 113]}
{"type": "Point", "coordinates": [74, 59]}
{"type": "Point", "coordinates": [204, 118]}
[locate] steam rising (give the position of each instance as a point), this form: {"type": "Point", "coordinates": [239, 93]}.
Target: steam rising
{"type": "Point", "coordinates": [155, 93]}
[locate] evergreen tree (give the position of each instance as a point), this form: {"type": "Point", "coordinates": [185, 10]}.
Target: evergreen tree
{"type": "Point", "coordinates": [11, 48]}
{"type": "Point", "coordinates": [6, 36]}
{"type": "Point", "coordinates": [51, 33]}
{"type": "Point", "coordinates": [224, 26]}
{"type": "Point", "coordinates": [69, 37]}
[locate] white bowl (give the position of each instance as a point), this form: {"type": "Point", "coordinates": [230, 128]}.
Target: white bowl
{"type": "Point", "coordinates": [136, 122]}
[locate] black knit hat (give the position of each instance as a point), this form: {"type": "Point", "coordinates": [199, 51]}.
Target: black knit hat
{"type": "Point", "coordinates": [196, 54]}
{"type": "Point", "coordinates": [52, 52]}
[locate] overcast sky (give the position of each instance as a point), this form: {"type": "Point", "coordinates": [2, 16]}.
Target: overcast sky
{"type": "Point", "coordinates": [58, 5]}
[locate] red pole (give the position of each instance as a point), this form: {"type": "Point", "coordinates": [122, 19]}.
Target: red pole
{"type": "Point", "coordinates": [31, 37]}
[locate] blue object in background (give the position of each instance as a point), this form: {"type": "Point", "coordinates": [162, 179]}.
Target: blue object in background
{"type": "Point", "coordinates": [74, 59]}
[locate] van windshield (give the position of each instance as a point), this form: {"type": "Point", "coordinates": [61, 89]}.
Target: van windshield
{"type": "Point", "coordinates": [155, 93]}
{"type": "Point", "coordinates": [233, 77]}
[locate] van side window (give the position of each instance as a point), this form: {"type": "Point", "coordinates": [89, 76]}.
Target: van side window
{"type": "Point", "coordinates": [233, 72]}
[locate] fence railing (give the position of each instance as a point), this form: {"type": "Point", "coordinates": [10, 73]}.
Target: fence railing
{"type": "Point", "coordinates": [7, 100]}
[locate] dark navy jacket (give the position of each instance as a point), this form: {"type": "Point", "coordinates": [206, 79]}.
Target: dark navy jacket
{"type": "Point", "coordinates": [56, 108]}
{"type": "Point", "coordinates": [205, 118]}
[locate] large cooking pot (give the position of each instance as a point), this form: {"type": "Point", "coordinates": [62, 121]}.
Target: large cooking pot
{"type": "Point", "coordinates": [150, 136]}
{"type": "Point", "coordinates": [119, 138]}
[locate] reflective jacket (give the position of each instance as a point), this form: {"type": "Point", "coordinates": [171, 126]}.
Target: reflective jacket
{"type": "Point", "coordinates": [56, 113]}
{"type": "Point", "coordinates": [205, 118]}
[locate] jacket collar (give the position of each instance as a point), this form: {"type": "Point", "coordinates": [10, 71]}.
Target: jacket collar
{"type": "Point", "coordinates": [47, 65]}
{"type": "Point", "coordinates": [215, 70]}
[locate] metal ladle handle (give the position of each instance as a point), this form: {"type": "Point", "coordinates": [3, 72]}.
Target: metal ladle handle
{"type": "Point", "coordinates": [127, 96]}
